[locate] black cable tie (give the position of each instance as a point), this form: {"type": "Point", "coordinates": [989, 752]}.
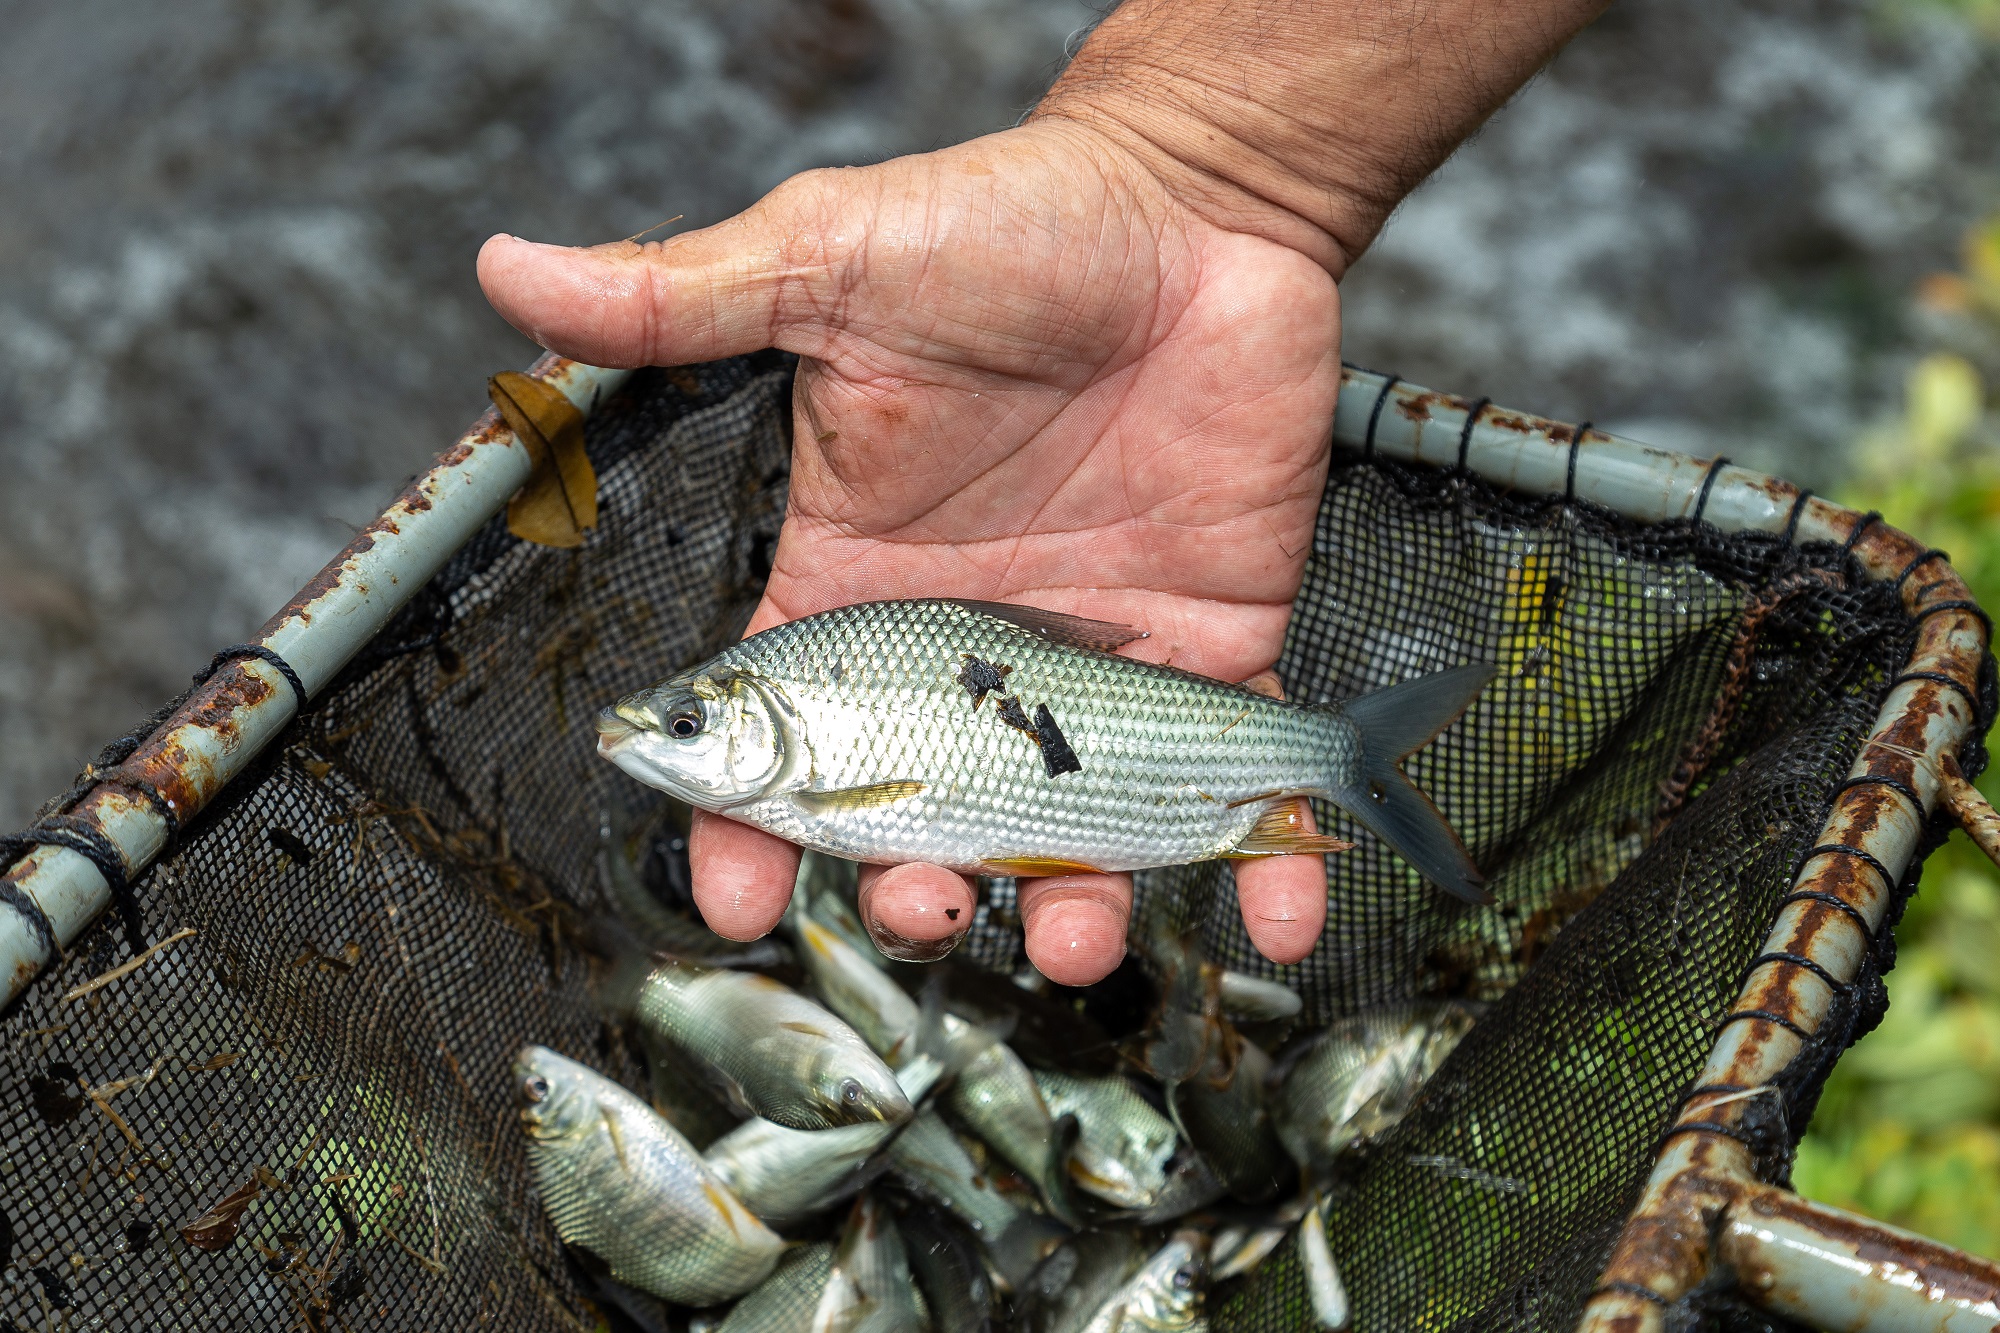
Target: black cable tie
{"type": "Point", "coordinates": [1465, 432]}
{"type": "Point", "coordinates": [1631, 1289]}
{"type": "Point", "coordinates": [1375, 415]}
{"type": "Point", "coordinates": [1714, 1089]}
{"type": "Point", "coordinates": [1575, 447]}
{"type": "Point", "coordinates": [1868, 520]}
{"type": "Point", "coordinates": [1924, 559]}
{"type": "Point", "coordinates": [12, 894]}
{"type": "Point", "coordinates": [92, 845]}
{"type": "Point", "coordinates": [1801, 961]}
{"type": "Point", "coordinates": [1792, 523]}
{"type": "Point", "coordinates": [1765, 1016]}
{"type": "Point", "coordinates": [262, 654]}
{"type": "Point", "coordinates": [1897, 785]}
{"type": "Point", "coordinates": [1843, 849]}
{"type": "Point", "coordinates": [1707, 485]}
{"type": "Point", "coordinates": [1831, 900]}
{"type": "Point", "coordinates": [1964, 690]}
{"type": "Point", "coordinates": [1711, 1127]}
{"type": "Point", "coordinates": [1960, 604]}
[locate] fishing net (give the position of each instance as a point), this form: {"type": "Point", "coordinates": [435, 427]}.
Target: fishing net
{"type": "Point", "coordinates": [402, 891]}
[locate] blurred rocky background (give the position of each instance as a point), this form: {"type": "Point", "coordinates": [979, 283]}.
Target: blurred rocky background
{"type": "Point", "coordinates": [237, 312]}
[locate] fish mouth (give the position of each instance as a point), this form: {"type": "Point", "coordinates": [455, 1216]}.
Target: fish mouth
{"type": "Point", "coordinates": [612, 730]}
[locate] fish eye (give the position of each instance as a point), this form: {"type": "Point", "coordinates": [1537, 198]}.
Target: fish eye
{"type": "Point", "coordinates": [684, 726]}
{"type": "Point", "coordinates": [535, 1087]}
{"type": "Point", "coordinates": [850, 1092]}
{"type": "Point", "coordinates": [1183, 1279]}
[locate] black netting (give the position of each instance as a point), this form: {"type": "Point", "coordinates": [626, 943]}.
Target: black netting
{"type": "Point", "coordinates": [403, 891]}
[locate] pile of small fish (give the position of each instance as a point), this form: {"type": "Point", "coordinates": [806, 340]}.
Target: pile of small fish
{"type": "Point", "coordinates": [883, 1147]}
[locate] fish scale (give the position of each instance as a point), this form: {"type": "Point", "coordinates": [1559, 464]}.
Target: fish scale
{"type": "Point", "coordinates": [1151, 741]}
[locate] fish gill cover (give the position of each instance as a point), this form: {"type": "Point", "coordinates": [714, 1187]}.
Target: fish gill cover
{"type": "Point", "coordinates": [302, 1116]}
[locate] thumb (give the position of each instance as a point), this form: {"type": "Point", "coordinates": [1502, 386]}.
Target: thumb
{"type": "Point", "coordinates": [739, 286]}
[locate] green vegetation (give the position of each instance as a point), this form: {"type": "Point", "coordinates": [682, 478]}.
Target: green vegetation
{"type": "Point", "coordinates": [1909, 1128]}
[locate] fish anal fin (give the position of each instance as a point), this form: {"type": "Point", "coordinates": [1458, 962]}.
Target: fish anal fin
{"type": "Point", "coordinates": [1035, 867]}
{"type": "Point", "coordinates": [1070, 631]}
{"type": "Point", "coordinates": [1286, 829]}
{"type": "Point", "coordinates": [858, 798]}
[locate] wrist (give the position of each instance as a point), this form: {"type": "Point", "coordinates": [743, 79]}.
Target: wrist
{"type": "Point", "coordinates": [1305, 124]}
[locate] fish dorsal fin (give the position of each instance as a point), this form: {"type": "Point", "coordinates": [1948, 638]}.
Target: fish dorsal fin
{"type": "Point", "coordinates": [1282, 830]}
{"type": "Point", "coordinates": [1056, 627]}
{"type": "Point", "coordinates": [857, 798]}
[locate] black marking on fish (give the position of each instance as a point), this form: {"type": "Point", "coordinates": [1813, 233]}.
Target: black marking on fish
{"type": "Point", "coordinates": [1016, 717]}
{"type": "Point", "coordinates": [1057, 757]}
{"type": "Point", "coordinates": [982, 678]}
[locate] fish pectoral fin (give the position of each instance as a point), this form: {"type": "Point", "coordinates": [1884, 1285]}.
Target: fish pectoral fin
{"type": "Point", "coordinates": [857, 798]}
{"type": "Point", "coordinates": [1035, 867]}
{"type": "Point", "coordinates": [1285, 830]}
{"type": "Point", "coordinates": [1070, 631]}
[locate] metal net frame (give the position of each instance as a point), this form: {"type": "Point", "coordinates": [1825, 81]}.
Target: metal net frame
{"type": "Point", "coordinates": [1703, 785]}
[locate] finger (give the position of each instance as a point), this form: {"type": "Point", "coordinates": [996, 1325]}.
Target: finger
{"type": "Point", "coordinates": [724, 290]}
{"type": "Point", "coordinates": [1265, 683]}
{"type": "Point", "coordinates": [1075, 925]}
{"type": "Point", "coordinates": [916, 913]}
{"type": "Point", "coordinates": [743, 877]}
{"type": "Point", "coordinates": [1283, 899]}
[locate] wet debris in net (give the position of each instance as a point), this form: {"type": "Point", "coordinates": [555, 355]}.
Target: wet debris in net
{"type": "Point", "coordinates": [216, 1229]}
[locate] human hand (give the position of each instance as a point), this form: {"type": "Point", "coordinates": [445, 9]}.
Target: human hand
{"type": "Point", "coordinates": [1088, 364]}
{"type": "Point", "coordinates": [1031, 375]}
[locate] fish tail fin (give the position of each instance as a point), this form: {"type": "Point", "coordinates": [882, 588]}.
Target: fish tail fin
{"type": "Point", "coordinates": [1025, 1243]}
{"type": "Point", "coordinates": [1055, 1181]}
{"type": "Point", "coordinates": [1391, 724]}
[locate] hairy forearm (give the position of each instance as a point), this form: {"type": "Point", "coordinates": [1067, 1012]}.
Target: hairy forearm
{"type": "Point", "coordinates": [1305, 120]}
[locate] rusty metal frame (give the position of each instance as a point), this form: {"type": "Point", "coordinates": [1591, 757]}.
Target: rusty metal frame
{"type": "Point", "coordinates": [245, 704]}
{"type": "Point", "coordinates": [1704, 1220]}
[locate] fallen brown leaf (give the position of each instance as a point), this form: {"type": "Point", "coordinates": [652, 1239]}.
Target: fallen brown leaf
{"type": "Point", "coordinates": [559, 502]}
{"type": "Point", "coordinates": [216, 1228]}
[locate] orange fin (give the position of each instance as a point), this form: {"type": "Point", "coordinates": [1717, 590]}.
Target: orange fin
{"type": "Point", "coordinates": [857, 798]}
{"type": "Point", "coordinates": [1035, 867]}
{"type": "Point", "coordinates": [1071, 631]}
{"type": "Point", "coordinates": [1285, 829]}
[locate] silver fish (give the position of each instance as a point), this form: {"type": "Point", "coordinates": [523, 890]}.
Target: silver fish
{"type": "Point", "coordinates": [1255, 1000]}
{"type": "Point", "coordinates": [778, 1055]}
{"type": "Point", "coordinates": [785, 1175]}
{"type": "Point", "coordinates": [944, 1257]}
{"type": "Point", "coordinates": [786, 1301]}
{"type": "Point", "coordinates": [1222, 1111]}
{"type": "Point", "coordinates": [619, 1182]}
{"type": "Point", "coordinates": [1323, 1284]}
{"type": "Point", "coordinates": [1003, 740]}
{"type": "Point", "coordinates": [864, 996]}
{"type": "Point", "coordinates": [824, 890]}
{"type": "Point", "coordinates": [1164, 1296]}
{"type": "Point", "coordinates": [1357, 1078]}
{"type": "Point", "coordinates": [930, 1158]}
{"type": "Point", "coordinates": [996, 1097]}
{"type": "Point", "coordinates": [1122, 1146]}
{"type": "Point", "coordinates": [869, 1289]}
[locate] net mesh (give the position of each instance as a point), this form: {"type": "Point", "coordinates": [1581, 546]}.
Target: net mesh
{"type": "Point", "coordinates": [402, 892]}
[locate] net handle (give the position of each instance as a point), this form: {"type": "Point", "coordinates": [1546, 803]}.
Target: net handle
{"type": "Point", "coordinates": [50, 894]}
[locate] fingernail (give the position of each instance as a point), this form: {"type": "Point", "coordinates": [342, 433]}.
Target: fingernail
{"type": "Point", "coordinates": [906, 950]}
